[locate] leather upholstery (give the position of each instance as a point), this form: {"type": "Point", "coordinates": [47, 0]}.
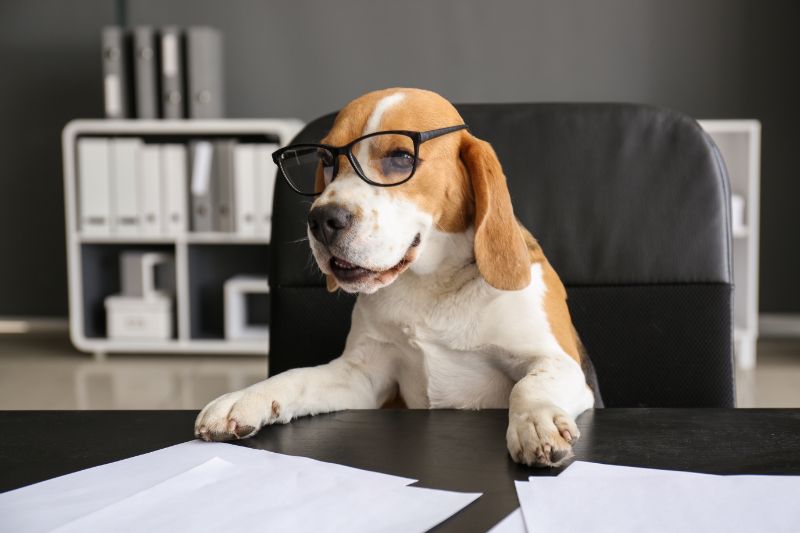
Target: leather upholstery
{"type": "Point", "coordinates": [630, 204]}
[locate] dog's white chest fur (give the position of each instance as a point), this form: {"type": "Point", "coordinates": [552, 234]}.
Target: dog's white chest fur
{"type": "Point", "coordinates": [438, 359]}
{"type": "Point", "coordinates": [444, 333]}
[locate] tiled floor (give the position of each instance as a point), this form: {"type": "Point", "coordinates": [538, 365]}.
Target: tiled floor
{"type": "Point", "coordinates": [45, 372]}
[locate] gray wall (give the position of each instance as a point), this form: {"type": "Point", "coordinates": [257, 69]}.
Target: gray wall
{"type": "Point", "coordinates": [302, 58]}
{"type": "Point", "coordinates": [49, 74]}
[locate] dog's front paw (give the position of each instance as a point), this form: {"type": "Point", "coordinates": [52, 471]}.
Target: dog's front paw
{"type": "Point", "coordinates": [541, 436]}
{"type": "Point", "coordinates": [238, 415]}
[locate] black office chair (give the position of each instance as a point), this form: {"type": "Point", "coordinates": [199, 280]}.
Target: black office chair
{"type": "Point", "coordinates": [630, 204]}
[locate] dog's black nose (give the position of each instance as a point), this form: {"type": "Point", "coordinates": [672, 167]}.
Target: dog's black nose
{"type": "Point", "coordinates": [327, 221]}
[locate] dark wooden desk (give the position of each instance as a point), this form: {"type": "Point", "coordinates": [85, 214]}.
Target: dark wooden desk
{"type": "Point", "coordinates": [456, 450]}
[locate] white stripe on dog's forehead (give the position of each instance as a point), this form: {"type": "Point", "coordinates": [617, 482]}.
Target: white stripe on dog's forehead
{"type": "Point", "coordinates": [374, 120]}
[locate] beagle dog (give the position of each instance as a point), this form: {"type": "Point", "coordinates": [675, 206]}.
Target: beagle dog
{"type": "Point", "coordinates": [458, 306]}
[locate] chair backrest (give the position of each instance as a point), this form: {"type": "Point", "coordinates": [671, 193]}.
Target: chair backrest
{"type": "Point", "coordinates": [630, 204]}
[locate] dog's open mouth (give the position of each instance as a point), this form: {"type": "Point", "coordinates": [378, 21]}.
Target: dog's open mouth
{"type": "Point", "coordinates": [348, 272]}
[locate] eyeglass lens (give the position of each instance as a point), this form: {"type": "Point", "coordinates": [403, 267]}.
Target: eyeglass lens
{"type": "Point", "coordinates": [385, 159]}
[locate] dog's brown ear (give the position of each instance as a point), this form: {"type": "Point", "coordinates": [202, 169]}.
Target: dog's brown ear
{"type": "Point", "coordinates": [331, 283]}
{"type": "Point", "coordinates": [500, 250]}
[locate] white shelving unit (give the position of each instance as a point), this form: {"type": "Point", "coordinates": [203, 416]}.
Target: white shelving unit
{"type": "Point", "coordinates": [739, 142]}
{"type": "Point", "coordinates": [91, 256]}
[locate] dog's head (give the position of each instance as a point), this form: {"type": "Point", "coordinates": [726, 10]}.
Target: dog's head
{"type": "Point", "coordinates": [364, 236]}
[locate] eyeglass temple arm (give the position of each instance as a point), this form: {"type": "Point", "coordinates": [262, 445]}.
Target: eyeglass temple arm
{"type": "Point", "coordinates": [432, 134]}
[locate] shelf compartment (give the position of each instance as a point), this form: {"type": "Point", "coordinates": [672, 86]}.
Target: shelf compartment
{"type": "Point", "coordinates": [100, 278]}
{"type": "Point", "coordinates": [210, 265]}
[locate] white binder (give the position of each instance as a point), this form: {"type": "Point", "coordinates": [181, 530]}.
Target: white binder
{"type": "Point", "coordinates": [265, 187]}
{"type": "Point", "coordinates": [244, 186]}
{"type": "Point", "coordinates": [125, 189]}
{"type": "Point", "coordinates": [174, 184]}
{"type": "Point", "coordinates": [94, 187]}
{"type": "Point", "coordinates": [150, 190]}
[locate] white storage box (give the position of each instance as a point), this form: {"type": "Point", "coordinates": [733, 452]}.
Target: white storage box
{"type": "Point", "coordinates": [139, 318]}
{"type": "Point", "coordinates": [237, 324]}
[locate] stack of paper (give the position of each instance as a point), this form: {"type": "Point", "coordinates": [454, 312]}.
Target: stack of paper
{"type": "Point", "coordinates": [218, 487]}
{"type": "Point", "coordinates": [599, 498]}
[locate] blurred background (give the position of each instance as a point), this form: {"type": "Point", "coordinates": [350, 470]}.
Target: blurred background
{"type": "Point", "coordinates": [717, 60]}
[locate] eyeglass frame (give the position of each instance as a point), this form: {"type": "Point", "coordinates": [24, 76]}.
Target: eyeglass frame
{"type": "Point", "coordinates": [418, 137]}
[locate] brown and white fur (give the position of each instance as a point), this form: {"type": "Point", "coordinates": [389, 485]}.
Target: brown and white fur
{"type": "Point", "coordinates": [457, 308]}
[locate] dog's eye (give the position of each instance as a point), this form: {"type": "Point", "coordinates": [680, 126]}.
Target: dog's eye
{"type": "Point", "coordinates": [397, 161]}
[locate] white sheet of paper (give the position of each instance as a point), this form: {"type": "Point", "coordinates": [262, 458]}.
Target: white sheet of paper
{"type": "Point", "coordinates": [587, 469]}
{"type": "Point", "coordinates": [405, 509]}
{"type": "Point", "coordinates": [513, 523]}
{"type": "Point", "coordinates": [114, 517]}
{"type": "Point", "coordinates": [55, 502]}
{"type": "Point", "coordinates": [665, 502]}
{"type": "Point", "coordinates": [214, 495]}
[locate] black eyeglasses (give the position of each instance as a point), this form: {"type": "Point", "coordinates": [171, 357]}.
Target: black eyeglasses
{"type": "Point", "coordinates": [383, 159]}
